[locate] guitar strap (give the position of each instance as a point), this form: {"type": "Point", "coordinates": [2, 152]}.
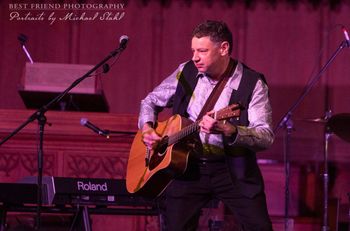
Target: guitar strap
{"type": "Point", "coordinates": [214, 95]}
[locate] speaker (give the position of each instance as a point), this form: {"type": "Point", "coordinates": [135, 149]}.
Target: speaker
{"type": "Point", "coordinates": [42, 82]}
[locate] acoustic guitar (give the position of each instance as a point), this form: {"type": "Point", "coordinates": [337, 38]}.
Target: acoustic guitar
{"type": "Point", "coordinates": [150, 171]}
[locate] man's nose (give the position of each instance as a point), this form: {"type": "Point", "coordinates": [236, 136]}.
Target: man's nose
{"type": "Point", "coordinates": [195, 57]}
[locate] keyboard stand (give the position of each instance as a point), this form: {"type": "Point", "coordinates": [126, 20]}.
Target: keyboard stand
{"type": "Point", "coordinates": [81, 219]}
{"type": "Point", "coordinates": [3, 212]}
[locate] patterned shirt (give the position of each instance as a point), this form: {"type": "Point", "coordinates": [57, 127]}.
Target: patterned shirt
{"type": "Point", "coordinates": [258, 135]}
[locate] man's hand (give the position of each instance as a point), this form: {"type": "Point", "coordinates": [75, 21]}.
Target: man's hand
{"type": "Point", "coordinates": [211, 125]}
{"type": "Point", "coordinates": [149, 136]}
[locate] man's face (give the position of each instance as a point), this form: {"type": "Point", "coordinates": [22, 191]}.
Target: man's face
{"type": "Point", "coordinates": [206, 55]}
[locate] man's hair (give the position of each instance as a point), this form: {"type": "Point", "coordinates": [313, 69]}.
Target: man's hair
{"type": "Point", "coordinates": [216, 30]}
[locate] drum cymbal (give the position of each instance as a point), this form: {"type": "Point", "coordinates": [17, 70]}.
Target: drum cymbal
{"type": "Point", "coordinates": [339, 124]}
{"type": "Point", "coordinates": [320, 120]}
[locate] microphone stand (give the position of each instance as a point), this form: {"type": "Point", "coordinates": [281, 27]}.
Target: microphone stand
{"type": "Point", "coordinates": [39, 115]}
{"type": "Point", "coordinates": [287, 124]}
{"type": "Point", "coordinates": [23, 39]}
{"type": "Point", "coordinates": [109, 133]}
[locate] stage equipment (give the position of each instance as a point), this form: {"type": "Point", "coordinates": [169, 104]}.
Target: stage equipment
{"type": "Point", "coordinates": [103, 132]}
{"type": "Point", "coordinates": [41, 82]}
{"type": "Point", "coordinates": [339, 124]}
{"type": "Point", "coordinates": [39, 115]}
{"type": "Point", "coordinates": [79, 196]}
{"type": "Point", "coordinates": [22, 38]}
{"type": "Point", "coordinates": [287, 123]}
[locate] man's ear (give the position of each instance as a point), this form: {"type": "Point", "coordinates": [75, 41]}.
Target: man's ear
{"type": "Point", "coordinates": [224, 48]}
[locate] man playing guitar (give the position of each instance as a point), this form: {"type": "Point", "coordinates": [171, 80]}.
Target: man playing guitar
{"type": "Point", "coordinates": [224, 165]}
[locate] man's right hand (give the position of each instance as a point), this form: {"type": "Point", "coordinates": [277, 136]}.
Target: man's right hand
{"type": "Point", "coordinates": [149, 136]}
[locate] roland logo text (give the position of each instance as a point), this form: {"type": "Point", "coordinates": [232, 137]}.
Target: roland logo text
{"type": "Point", "coordinates": [91, 187]}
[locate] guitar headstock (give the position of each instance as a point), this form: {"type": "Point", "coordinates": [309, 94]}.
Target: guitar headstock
{"type": "Point", "coordinates": [233, 110]}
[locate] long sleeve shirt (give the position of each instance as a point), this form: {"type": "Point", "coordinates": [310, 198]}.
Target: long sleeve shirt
{"type": "Point", "coordinates": [258, 135]}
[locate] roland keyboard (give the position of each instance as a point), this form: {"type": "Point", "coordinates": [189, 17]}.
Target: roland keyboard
{"type": "Point", "coordinates": [65, 195]}
{"type": "Point", "coordinates": [65, 190]}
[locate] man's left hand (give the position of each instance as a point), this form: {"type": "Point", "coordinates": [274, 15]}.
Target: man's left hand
{"type": "Point", "coordinates": [212, 126]}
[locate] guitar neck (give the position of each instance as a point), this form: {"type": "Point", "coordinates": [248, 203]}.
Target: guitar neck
{"type": "Point", "coordinates": [186, 131]}
{"type": "Point", "coordinates": [230, 111]}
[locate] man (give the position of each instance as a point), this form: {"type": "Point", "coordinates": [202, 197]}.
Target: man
{"type": "Point", "coordinates": [224, 166]}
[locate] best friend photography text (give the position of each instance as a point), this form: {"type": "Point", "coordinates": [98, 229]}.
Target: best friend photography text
{"type": "Point", "coordinates": [66, 6]}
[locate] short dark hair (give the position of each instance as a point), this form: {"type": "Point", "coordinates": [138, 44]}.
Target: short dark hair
{"type": "Point", "coordinates": [216, 30]}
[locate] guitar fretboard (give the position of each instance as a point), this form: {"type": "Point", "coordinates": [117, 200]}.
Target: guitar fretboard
{"type": "Point", "coordinates": [189, 130]}
{"type": "Point", "coordinates": [225, 113]}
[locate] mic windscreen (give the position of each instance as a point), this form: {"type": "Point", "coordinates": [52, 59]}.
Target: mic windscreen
{"type": "Point", "coordinates": [83, 121]}
{"type": "Point", "coordinates": [123, 39]}
{"type": "Point", "coordinates": [22, 38]}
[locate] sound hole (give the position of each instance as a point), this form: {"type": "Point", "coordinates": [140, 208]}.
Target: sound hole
{"type": "Point", "coordinates": [159, 153]}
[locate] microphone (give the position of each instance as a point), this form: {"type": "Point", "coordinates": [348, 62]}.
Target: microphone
{"type": "Point", "coordinates": [23, 39]}
{"type": "Point", "coordinates": [123, 40]}
{"type": "Point", "coordinates": [346, 35]}
{"type": "Point", "coordinates": [85, 122]}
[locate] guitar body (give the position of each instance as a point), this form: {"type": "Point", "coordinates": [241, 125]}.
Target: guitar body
{"type": "Point", "coordinates": [165, 162]}
{"type": "Point", "coordinates": [170, 158]}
